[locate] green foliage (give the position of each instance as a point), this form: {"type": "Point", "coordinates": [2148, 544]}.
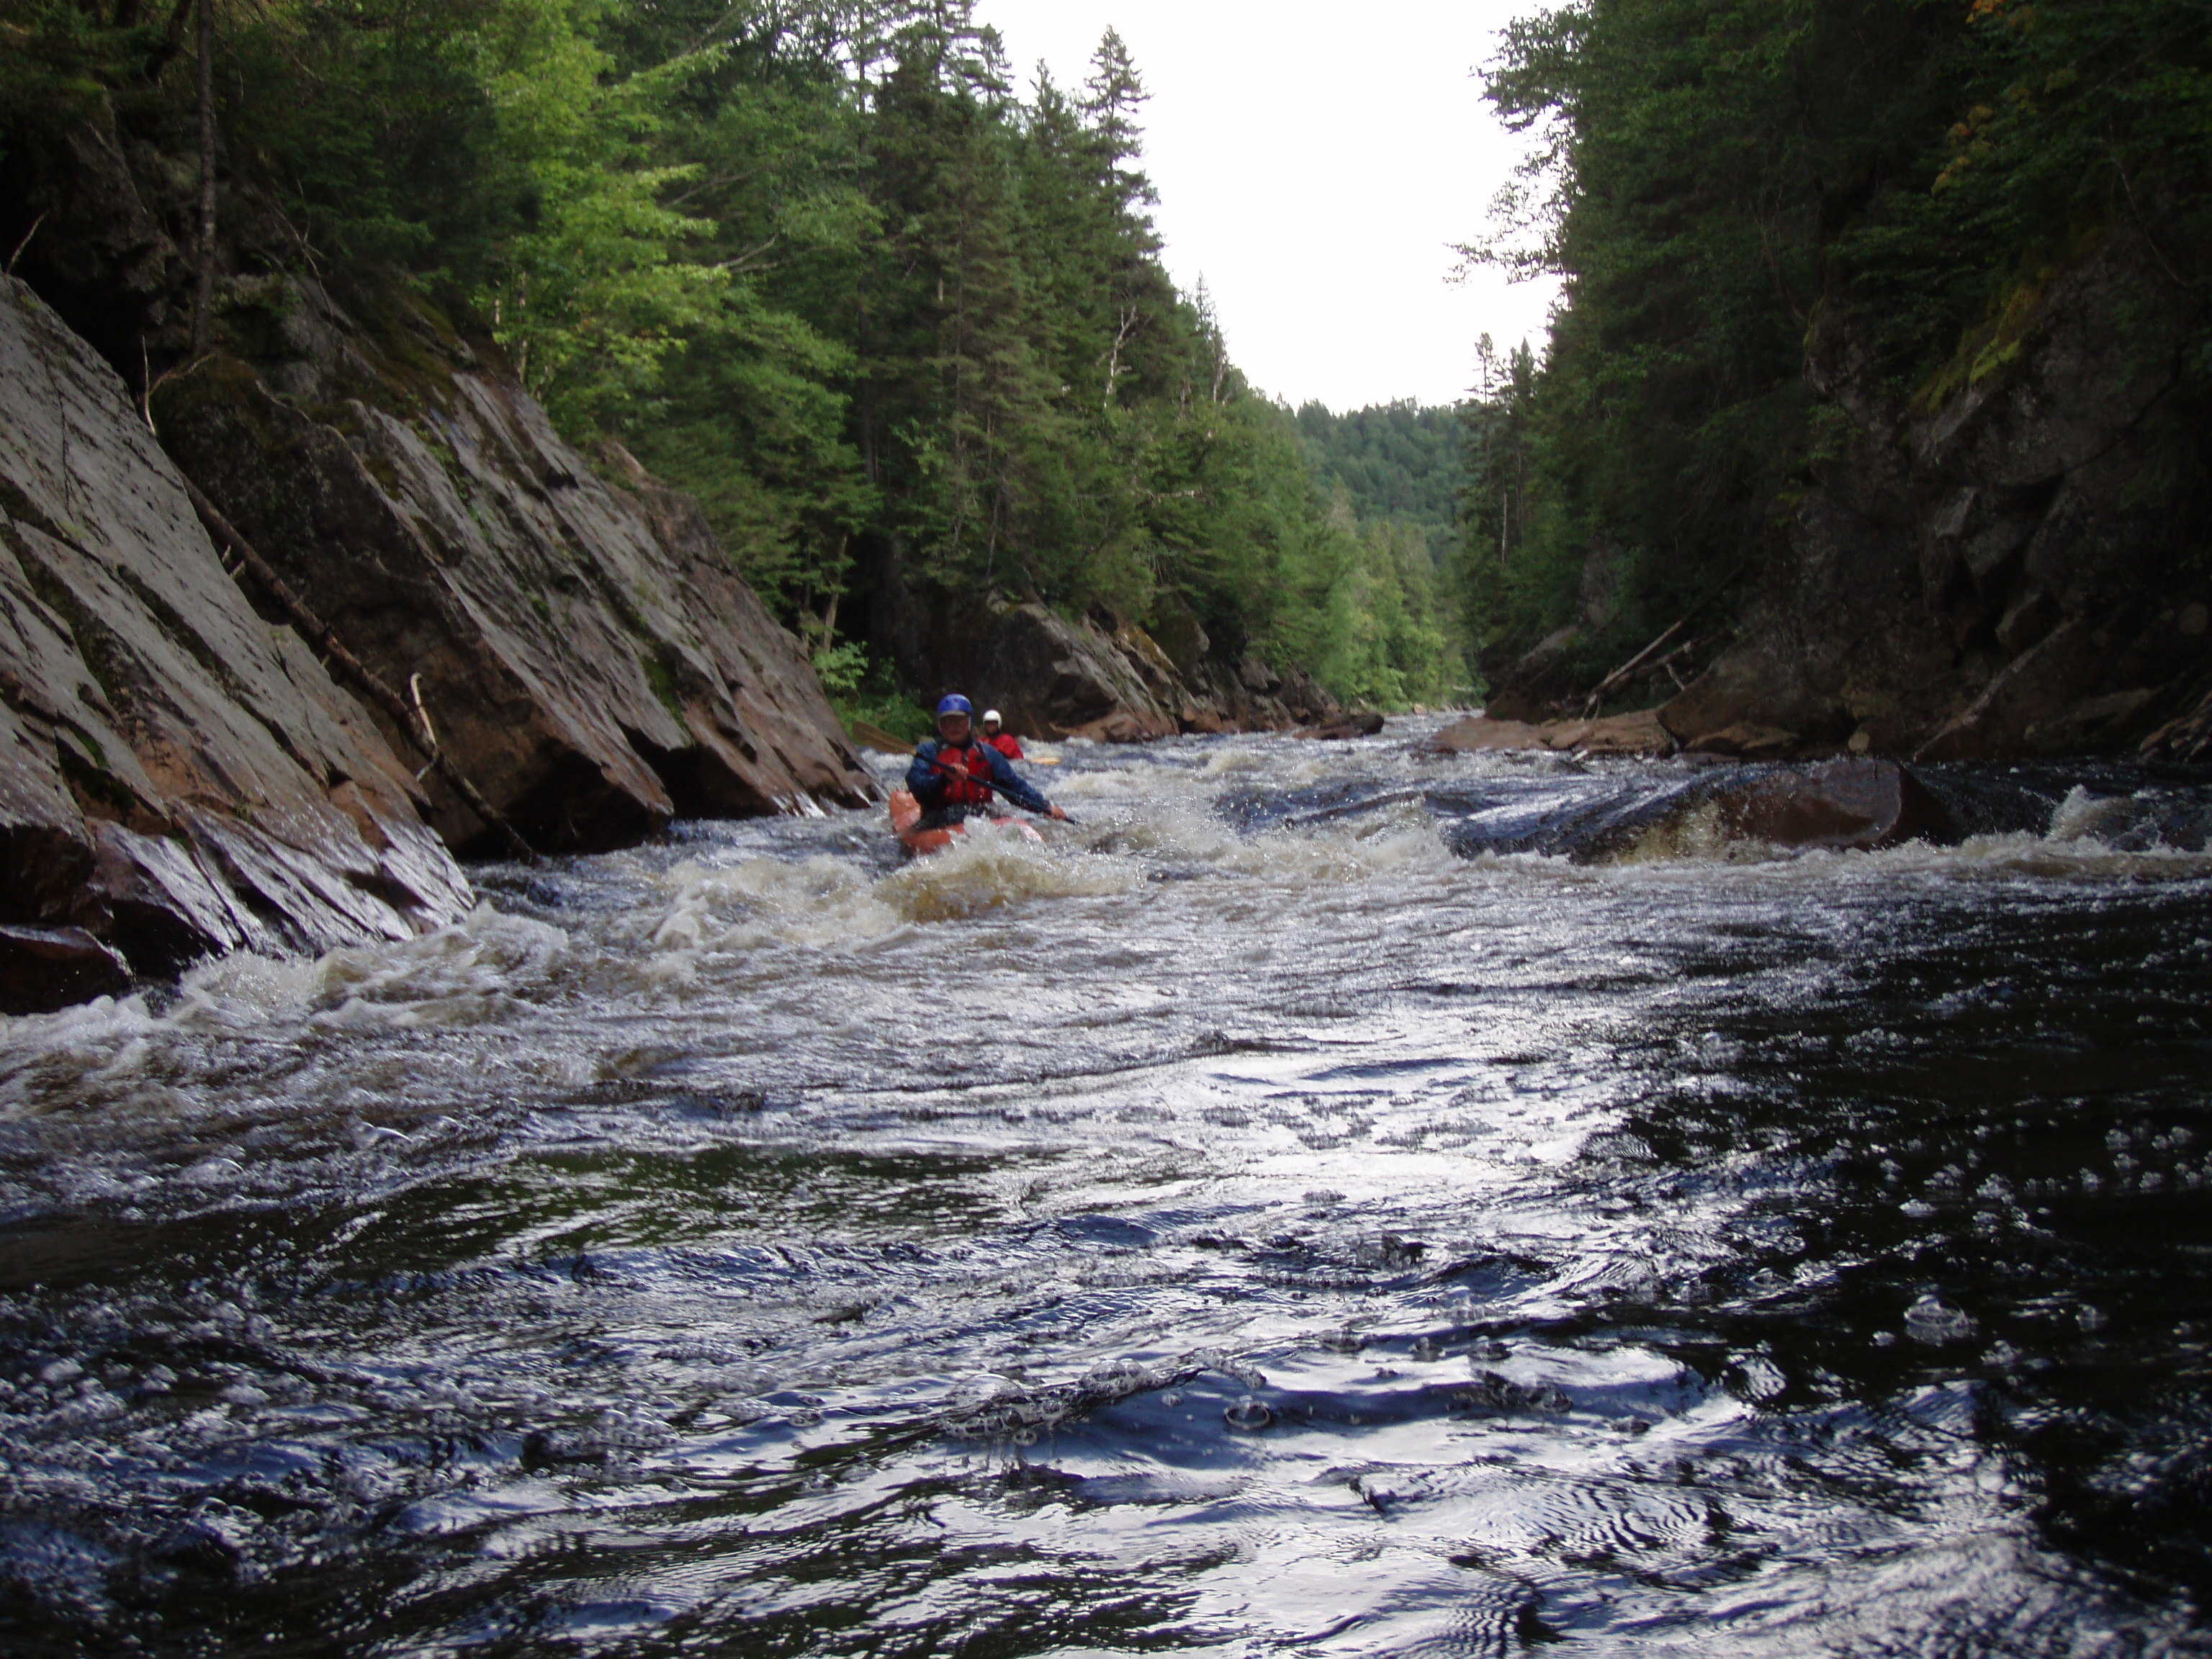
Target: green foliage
{"type": "Point", "coordinates": [1392, 635]}
{"type": "Point", "coordinates": [1399, 461]}
{"type": "Point", "coordinates": [821, 265]}
{"type": "Point", "coordinates": [1711, 178]}
{"type": "Point", "coordinates": [864, 690]}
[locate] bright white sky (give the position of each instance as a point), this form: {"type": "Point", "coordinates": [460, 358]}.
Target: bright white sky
{"type": "Point", "coordinates": [1315, 163]}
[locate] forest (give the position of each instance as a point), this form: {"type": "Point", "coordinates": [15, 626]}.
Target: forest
{"type": "Point", "coordinates": [1730, 191]}
{"type": "Point", "coordinates": [875, 295]}
{"type": "Point", "coordinates": [831, 265]}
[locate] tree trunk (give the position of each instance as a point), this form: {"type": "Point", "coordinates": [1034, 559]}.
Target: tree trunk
{"type": "Point", "coordinates": [203, 286]}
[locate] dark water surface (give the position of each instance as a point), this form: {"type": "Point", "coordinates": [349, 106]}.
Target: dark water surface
{"type": "Point", "coordinates": [1240, 1227]}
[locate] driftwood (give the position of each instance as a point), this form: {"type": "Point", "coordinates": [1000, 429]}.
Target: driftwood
{"type": "Point", "coordinates": [324, 638]}
{"type": "Point", "coordinates": [1621, 676]}
{"type": "Point", "coordinates": [874, 737]}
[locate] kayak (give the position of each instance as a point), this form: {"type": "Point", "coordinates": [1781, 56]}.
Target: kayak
{"type": "Point", "coordinates": [906, 813]}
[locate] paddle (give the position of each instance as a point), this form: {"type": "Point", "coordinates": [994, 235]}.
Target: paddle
{"type": "Point", "coordinates": [997, 789]}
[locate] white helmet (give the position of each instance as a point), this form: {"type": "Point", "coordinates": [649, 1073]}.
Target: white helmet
{"type": "Point", "coordinates": [991, 717]}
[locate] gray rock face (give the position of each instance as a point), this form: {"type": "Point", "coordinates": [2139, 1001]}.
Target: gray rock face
{"type": "Point", "coordinates": [582, 650]}
{"type": "Point", "coordinates": [1053, 678]}
{"type": "Point", "coordinates": [177, 776]}
{"type": "Point", "coordinates": [2012, 567]}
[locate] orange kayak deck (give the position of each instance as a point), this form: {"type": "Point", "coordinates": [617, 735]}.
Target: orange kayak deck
{"type": "Point", "coordinates": [906, 813]}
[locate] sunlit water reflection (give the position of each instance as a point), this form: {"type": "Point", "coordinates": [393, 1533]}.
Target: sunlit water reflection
{"type": "Point", "coordinates": [1232, 1231]}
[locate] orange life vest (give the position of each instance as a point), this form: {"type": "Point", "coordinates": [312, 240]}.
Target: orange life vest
{"type": "Point", "coordinates": [966, 770]}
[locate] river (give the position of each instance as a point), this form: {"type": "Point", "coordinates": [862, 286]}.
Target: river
{"type": "Point", "coordinates": [1238, 1226]}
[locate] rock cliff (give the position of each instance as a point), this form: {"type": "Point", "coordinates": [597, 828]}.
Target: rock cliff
{"type": "Point", "coordinates": [579, 647]}
{"type": "Point", "coordinates": [586, 656]}
{"type": "Point", "coordinates": [179, 773]}
{"type": "Point", "coordinates": [2012, 562]}
{"type": "Point", "coordinates": [1109, 679]}
{"type": "Point", "coordinates": [177, 776]}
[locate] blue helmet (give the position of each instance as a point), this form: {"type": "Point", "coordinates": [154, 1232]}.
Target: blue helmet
{"type": "Point", "coordinates": [955, 704]}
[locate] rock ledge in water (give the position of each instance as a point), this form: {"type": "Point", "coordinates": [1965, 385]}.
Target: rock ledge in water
{"type": "Point", "coordinates": [1639, 733]}
{"type": "Point", "coordinates": [177, 776]}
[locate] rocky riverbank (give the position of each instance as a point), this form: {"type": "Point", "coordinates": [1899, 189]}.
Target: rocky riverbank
{"type": "Point", "coordinates": [1107, 678]}
{"type": "Point", "coordinates": [426, 625]}
{"type": "Point", "coordinates": [179, 777]}
{"type": "Point", "coordinates": [2007, 561]}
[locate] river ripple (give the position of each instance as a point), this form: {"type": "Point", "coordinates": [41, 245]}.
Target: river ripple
{"type": "Point", "coordinates": [1190, 1236]}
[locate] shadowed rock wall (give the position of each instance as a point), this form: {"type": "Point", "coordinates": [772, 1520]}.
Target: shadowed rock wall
{"type": "Point", "coordinates": [1051, 677]}
{"type": "Point", "coordinates": [177, 776]}
{"type": "Point", "coordinates": [581, 649]}
{"type": "Point", "coordinates": [2017, 564]}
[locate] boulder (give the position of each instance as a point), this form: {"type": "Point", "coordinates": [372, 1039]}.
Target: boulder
{"type": "Point", "coordinates": [43, 968]}
{"type": "Point", "coordinates": [577, 643]}
{"type": "Point", "coordinates": [1361, 725]}
{"type": "Point", "coordinates": [1638, 733]}
{"type": "Point", "coordinates": [177, 775]}
{"type": "Point", "coordinates": [1848, 804]}
{"type": "Point", "coordinates": [1479, 732]}
{"type": "Point", "coordinates": [1745, 741]}
{"type": "Point", "coordinates": [1123, 725]}
{"type": "Point", "coordinates": [1852, 804]}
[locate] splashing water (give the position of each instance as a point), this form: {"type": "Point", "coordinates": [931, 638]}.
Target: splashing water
{"type": "Point", "coordinates": [1237, 1226]}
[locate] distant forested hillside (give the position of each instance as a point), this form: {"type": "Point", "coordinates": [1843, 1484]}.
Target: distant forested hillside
{"type": "Point", "coordinates": [1399, 461]}
{"type": "Point", "coordinates": [837, 269]}
{"type": "Point", "coordinates": [1392, 473]}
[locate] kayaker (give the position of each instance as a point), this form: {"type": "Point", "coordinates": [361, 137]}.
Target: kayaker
{"type": "Point", "coordinates": [1005, 742]}
{"type": "Point", "coordinates": [953, 773]}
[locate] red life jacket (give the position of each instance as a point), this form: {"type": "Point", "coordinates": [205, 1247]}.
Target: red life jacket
{"type": "Point", "coordinates": [1006, 744]}
{"type": "Point", "coordinates": [963, 768]}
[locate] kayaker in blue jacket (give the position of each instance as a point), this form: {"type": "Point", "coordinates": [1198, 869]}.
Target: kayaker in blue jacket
{"type": "Point", "coordinates": [954, 775]}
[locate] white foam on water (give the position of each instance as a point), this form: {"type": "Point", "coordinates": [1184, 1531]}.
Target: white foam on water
{"type": "Point", "coordinates": [1094, 787]}
{"type": "Point", "coordinates": [242, 992]}
{"type": "Point", "coordinates": [821, 902]}
{"type": "Point", "coordinates": [993, 867]}
{"type": "Point", "coordinates": [487, 954]}
{"type": "Point", "coordinates": [104, 1039]}
{"type": "Point", "coordinates": [1227, 762]}
{"type": "Point", "coordinates": [1352, 850]}
{"type": "Point", "coordinates": [2081, 816]}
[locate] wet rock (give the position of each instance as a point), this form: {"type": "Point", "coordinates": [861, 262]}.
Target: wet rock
{"type": "Point", "coordinates": [2010, 568]}
{"type": "Point", "coordinates": [2186, 737]}
{"type": "Point", "coordinates": [1123, 725]}
{"type": "Point", "coordinates": [1352, 726]}
{"type": "Point", "coordinates": [1745, 742]}
{"type": "Point", "coordinates": [42, 968]}
{"type": "Point", "coordinates": [1639, 733]}
{"type": "Point", "coordinates": [166, 905]}
{"type": "Point", "coordinates": [1636, 734]}
{"type": "Point", "coordinates": [170, 763]}
{"type": "Point", "coordinates": [578, 647]}
{"type": "Point", "coordinates": [1859, 805]}
{"type": "Point", "coordinates": [1479, 733]}
{"type": "Point", "coordinates": [1855, 804]}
